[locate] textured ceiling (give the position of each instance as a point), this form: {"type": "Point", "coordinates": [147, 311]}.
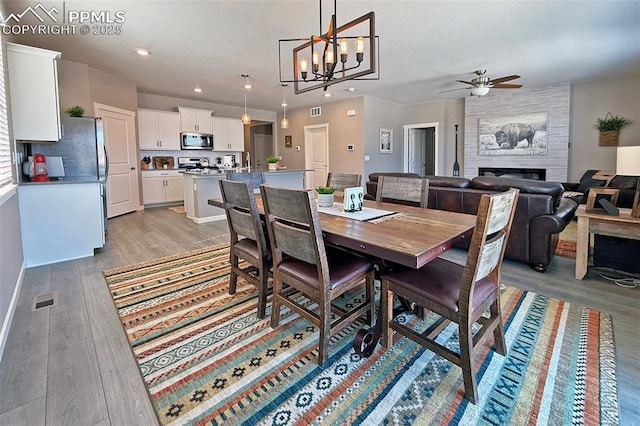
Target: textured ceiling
{"type": "Point", "coordinates": [425, 46]}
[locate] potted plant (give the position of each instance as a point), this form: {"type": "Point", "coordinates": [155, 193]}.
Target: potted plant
{"type": "Point", "coordinates": [609, 128]}
{"type": "Point", "coordinates": [75, 111]}
{"type": "Point", "coordinates": [272, 162]}
{"type": "Point", "coordinates": [325, 196]}
{"type": "Point", "coordinates": [165, 162]}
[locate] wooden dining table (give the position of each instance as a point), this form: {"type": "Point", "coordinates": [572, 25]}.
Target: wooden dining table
{"type": "Point", "coordinates": [408, 236]}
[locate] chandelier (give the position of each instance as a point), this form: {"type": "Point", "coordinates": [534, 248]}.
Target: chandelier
{"type": "Point", "coordinates": [319, 61]}
{"type": "Point", "coordinates": [284, 124]}
{"type": "Point", "coordinates": [246, 120]}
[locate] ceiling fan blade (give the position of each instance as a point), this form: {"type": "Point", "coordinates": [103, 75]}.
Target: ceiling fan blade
{"type": "Point", "coordinates": [453, 90]}
{"type": "Point", "coordinates": [504, 79]}
{"type": "Point", "coordinates": [465, 82]}
{"type": "Point", "coordinates": [506, 86]}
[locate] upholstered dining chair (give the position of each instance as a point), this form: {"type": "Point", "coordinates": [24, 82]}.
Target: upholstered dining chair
{"type": "Point", "coordinates": [303, 264]}
{"type": "Point", "coordinates": [255, 179]}
{"type": "Point", "coordinates": [403, 190]}
{"type": "Point", "coordinates": [248, 240]}
{"type": "Point", "coordinates": [342, 181]}
{"type": "Point", "coordinates": [458, 294]}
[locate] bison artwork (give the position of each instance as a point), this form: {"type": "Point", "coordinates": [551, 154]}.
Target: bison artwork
{"type": "Point", "coordinates": [510, 134]}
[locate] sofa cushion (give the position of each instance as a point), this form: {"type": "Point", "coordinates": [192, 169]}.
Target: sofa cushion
{"type": "Point", "coordinates": [452, 182]}
{"type": "Point", "coordinates": [623, 182]}
{"type": "Point", "coordinates": [586, 183]}
{"type": "Point", "coordinates": [529, 186]}
{"type": "Point", "coordinates": [373, 177]}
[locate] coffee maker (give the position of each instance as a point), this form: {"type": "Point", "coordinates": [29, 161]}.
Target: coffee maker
{"type": "Point", "coordinates": [229, 161]}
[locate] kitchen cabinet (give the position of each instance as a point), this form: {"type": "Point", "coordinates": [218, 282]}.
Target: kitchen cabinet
{"type": "Point", "coordinates": [33, 88]}
{"type": "Point", "coordinates": [197, 191]}
{"type": "Point", "coordinates": [162, 186]}
{"type": "Point", "coordinates": [228, 134]}
{"type": "Point", "coordinates": [158, 130]}
{"type": "Point", "coordinates": [60, 221]}
{"type": "Point", "coordinates": [195, 120]}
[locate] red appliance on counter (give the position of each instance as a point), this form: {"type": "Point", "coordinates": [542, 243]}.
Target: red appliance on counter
{"type": "Point", "coordinates": [40, 172]}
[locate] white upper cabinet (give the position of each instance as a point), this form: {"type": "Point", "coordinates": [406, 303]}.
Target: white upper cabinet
{"type": "Point", "coordinates": [158, 130]}
{"type": "Point", "coordinates": [195, 120]}
{"type": "Point", "coordinates": [33, 87]}
{"type": "Point", "coordinates": [228, 134]}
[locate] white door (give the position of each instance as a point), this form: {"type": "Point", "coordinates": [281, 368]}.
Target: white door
{"type": "Point", "coordinates": [262, 148]}
{"type": "Point", "coordinates": [421, 149]}
{"type": "Point", "coordinates": [123, 195]}
{"type": "Point", "coordinates": [416, 151]}
{"type": "Point", "coordinates": [316, 148]}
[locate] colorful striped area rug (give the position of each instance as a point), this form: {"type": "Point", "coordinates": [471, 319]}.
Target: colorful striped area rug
{"type": "Point", "coordinates": [207, 359]}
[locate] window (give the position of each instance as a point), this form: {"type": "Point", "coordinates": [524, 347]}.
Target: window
{"type": "Point", "coordinates": [6, 174]}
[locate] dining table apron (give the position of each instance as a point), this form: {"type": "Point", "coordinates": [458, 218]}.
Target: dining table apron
{"type": "Point", "coordinates": [408, 236]}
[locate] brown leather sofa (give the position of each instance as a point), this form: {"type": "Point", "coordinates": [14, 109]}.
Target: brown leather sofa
{"type": "Point", "coordinates": [541, 214]}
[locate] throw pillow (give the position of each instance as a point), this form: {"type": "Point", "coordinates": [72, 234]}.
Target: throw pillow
{"type": "Point", "coordinates": [585, 184]}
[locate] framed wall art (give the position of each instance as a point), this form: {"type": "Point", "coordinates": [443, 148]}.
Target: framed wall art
{"type": "Point", "coordinates": [288, 141]}
{"type": "Point", "coordinates": [515, 135]}
{"type": "Point", "coordinates": [385, 142]}
{"type": "Point", "coordinates": [595, 198]}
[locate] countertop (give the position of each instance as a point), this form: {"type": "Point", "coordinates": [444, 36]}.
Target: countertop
{"type": "Point", "coordinates": [222, 173]}
{"type": "Point", "coordinates": [65, 180]}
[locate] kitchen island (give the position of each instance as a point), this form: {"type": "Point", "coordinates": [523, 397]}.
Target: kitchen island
{"type": "Point", "coordinates": [201, 185]}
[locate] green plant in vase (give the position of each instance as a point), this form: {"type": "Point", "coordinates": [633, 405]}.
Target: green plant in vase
{"type": "Point", "coordinates": [272, 162]}
{"type": "Point", "coordinates": [75, 111]}
{"type": "Point", "coordinates": [325, 196]}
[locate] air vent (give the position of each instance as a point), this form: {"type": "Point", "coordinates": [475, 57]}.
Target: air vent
{"type": "Point", "coordinates": [44, 300]}
{"type": "Point", "coordinates": [315, 112]}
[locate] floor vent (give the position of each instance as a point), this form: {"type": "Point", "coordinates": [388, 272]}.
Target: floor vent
{"type": "Point", "coordinates": [44, 300]}
{"type": "Point", "coordinates": [315, 112]}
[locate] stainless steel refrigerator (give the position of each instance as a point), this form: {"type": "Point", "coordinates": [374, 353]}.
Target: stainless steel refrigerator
{"type": "Point", "coordinates": [83, 152]}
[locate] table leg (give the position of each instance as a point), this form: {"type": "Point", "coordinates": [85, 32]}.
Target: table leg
{"type": "Point", "coordinates": [582, 247]}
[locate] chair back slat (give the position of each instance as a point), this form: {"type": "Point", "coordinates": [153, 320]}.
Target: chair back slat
{"type": "Point", "coordinates": [489, 239]}
{"type": "Point", "coordinates": [241, 223]}
{"type": "Point", "coordinates": [294, 225]}
{"type": "Point", "coordinates": [342, 181]}
{"type": "Point", "coordinates": [242, 212]}
{"type": "Point", "coordinates": [400, 188]}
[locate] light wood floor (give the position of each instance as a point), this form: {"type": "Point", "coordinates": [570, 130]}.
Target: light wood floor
{"type": "Point", "coordinates": [70, 364]}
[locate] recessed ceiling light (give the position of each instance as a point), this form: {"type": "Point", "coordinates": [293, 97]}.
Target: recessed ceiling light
{"type": "Point", "coordinates": [143, 52]}
{"type": "Point", "coordinates": [197, 89]}
{"type": "Point", "coordinates": [327, 94]}
{"type": "Point", "coordinates": [351, 89]}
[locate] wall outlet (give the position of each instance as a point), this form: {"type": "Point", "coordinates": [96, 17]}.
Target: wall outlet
{"type": "Point", "coordinates": [351, 113]}
{"type": "Point", "coordinates": [367, 158]}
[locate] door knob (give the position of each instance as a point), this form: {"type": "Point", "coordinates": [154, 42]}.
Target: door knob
{"type": "Point", "coordinates": [133, 168]}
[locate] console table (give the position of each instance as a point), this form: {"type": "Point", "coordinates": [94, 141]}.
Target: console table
{"type": "Point", "coordinates": [623, 226]}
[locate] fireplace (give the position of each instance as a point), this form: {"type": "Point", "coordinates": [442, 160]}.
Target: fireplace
{"type": "Point", "coordinates": [521, 173]}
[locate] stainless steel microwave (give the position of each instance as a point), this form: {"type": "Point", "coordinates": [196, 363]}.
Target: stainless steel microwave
{"type": "Point", "coordinates": [196, 141]}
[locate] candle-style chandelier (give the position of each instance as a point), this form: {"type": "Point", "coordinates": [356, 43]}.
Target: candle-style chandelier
{"type": "Point", "coordinates": [324, 60]}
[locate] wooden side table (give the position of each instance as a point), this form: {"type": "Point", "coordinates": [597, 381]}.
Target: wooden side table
{"type": "Point", "coordinates": [623, 226]}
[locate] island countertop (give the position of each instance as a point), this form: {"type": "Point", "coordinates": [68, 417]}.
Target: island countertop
{"type": "Point", "coordinates": [221, 173]}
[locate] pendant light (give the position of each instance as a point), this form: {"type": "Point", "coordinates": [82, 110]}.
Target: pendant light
{"type": "Point", "coordinates": [246, 120]}
{"type": "Point", "coordinates": [284, 124]}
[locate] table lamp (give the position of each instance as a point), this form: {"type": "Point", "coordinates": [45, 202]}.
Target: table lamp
{"type": "Point", "coordinates": [628, 164]}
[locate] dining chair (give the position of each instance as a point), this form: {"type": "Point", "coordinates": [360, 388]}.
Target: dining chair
{"type": "Point", "coordinates": [248, 240]}
{"type": "Point", "coordinates": [403, 190]}
{"type": "Point", "coordinates": [255, 179]}
{"type": "Point", "coordinates": [342, 181]}
{"type": "Point", "coordinates": [458, 294]}
{"type": "Point", "coordinates": [303, 264]}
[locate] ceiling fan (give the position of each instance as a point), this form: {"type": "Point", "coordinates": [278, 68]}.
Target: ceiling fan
{"type": "Point", "coordinates": [481, 85]}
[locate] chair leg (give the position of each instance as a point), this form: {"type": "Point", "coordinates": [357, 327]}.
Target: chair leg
{"type": "Point", "coordinates": [498, 331]}
{"type": "Point", "coordinates": [386, 313]}
{"type": "Point", "coordinates": [466, 362]}
{"type": "Point", "coordinates": [262, 292]}
{"type": "Point", "coordinates": [233, 279]}
{"type": "Point", "coordinates": [275, 303]}
{"type": "Point", "coordinates": [325, 331]}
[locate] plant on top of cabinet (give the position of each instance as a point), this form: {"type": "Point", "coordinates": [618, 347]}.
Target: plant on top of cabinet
{"type": "Point", "coordinates": [75, 111]}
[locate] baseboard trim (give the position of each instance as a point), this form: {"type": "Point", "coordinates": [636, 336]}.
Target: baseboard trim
{"type": "Point", "coordinates": [6, 323]}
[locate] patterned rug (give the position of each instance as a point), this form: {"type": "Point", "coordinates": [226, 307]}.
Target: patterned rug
{"type": "Point", "coordinates": [567, 241]}
{"type": "Point", "coordinates": [177, 209]}
{"type": "Point", "coordinates": [207, 359]}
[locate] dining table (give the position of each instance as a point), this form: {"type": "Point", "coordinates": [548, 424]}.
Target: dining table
{"type": "Point", "coordinates": [394, 234]}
